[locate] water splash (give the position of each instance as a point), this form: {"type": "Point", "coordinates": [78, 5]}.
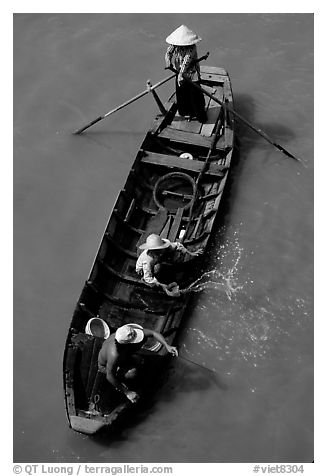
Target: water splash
{"type": "Point", "coordinates": [222, 279]}
{"type": "Point", "coordinates": [254, 326]}
{"type": "Point", "coordinates": [215, 280]}
{"type": "Point", "coordinates": [259, 323]}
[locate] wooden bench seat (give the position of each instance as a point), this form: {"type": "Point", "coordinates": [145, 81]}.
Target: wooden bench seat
{"type": "Point", "coordinates": [194, 139]}
{"type": "Point", "coordinates": [212, 70]}
{"type": "Point", "coordinates": [185, 137]}
{"type": "Point", "coordinates": [216, 78]}
{"type": "Point", "coordinates": [178, 163]}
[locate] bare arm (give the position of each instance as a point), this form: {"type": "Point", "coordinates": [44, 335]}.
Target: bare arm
{"type": "Point", "coordinates": [180, 247]}
{"type": "Point", "coordinates": [111, 367]}
{"type": "Point", "coordinates": [150, 279]}
{"type": "Point", "coordinates": [160, 338]}
{"type": "Point", "coordinates": [110, 374]}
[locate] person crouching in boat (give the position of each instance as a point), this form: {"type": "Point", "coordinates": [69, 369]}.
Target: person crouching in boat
{"type": "Point", "coordinates": [182, 55]}
{"type": "Point", "coordinates": [158, 257]}
{"type": "Point", "coordinates": [117, 357]}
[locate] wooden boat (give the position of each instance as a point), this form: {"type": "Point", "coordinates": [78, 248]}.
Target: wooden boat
{"type": "Point", "coordinates": [168, 193]}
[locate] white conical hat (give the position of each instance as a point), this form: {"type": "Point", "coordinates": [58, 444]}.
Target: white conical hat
{"type": "Point", "coordinates": [183, 36]}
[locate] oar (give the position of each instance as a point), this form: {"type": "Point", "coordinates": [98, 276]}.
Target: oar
{"type": "Point", "coordinates": [126, 103]}
{"type": "Point", "coordinates": [195, 363]}
{"type": "Point", "coordinates": [236, 114]}
{"type": "Point", "coordinates": [202, 171]}
{"type": "Point", "coordinates": [135, 98]}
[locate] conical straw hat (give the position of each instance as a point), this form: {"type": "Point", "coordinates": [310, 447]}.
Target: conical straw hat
{"type": "Point", "coordinates": [183, 36]}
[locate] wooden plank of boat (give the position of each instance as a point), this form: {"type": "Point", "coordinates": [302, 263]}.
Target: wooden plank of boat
{"type": "Point", "coordinates": [217, 76]}
{"type": "Point", "coordinates": [207, 128]}
{"type": "Point", "coordinates": [212, 70]}
{"type": "Point", "coordinates": [124, 317]}
{"type": "Point", "coordinates": [165, 231]}
{"type": "Point", "coordinates": [161, 121]}
{"type": "Point", "coordinates": [180, 123]}
{"type": "Point", "coordinates": [212, 113]}
{"type": "Point", "coordinates": [185, 137]}
{"type": "Point", "coordinates": [156, 225]}
{"type": "Point", "coordinates": [218, 79]}
{"type": "Point", "coordinates": [176, 225]}
{"type": "Point", "coordinates": [229, 137]}
{"type": "Point", "coordinates": [118, 246]}
{"type": "Point", "coordinates": [113, 290]}
{"type": "Point", "coordinates": [154, 158]}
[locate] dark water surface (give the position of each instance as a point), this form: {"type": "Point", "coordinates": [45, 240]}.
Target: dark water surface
{"type": "Point", "coordinates": [258, 337]}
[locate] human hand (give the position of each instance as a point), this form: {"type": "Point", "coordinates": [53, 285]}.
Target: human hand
{"type": "Point", "coordinates": [132, 396]}
{"type": "Point", "coordinates": [172, 286]}
{"type": "Point", "coordinates": [172, 350]}
{"type": "Point", "coordinates": [173, 293]}
{"type": "Point", "coordinates": [197, 252]}
{"type": "Point", "coordinates": [180, 80]}
{"type": "Point", "coordinates": [172, 289]}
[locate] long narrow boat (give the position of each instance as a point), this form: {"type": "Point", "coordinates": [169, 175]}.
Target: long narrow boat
{"type": "Point", "coordinates": [174, 189]}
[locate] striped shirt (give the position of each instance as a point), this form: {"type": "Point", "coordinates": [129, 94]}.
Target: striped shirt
{"type": "Point", "coordinates": [183, 59]}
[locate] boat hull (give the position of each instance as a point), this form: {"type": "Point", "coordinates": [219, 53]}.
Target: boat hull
{"type": "Point", "coordinates": [174, 189]}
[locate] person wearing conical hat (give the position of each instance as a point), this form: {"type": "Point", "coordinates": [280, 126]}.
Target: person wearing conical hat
{"type": "Point", "coordinates": [157, 251]}
{"type": "Point", "coordinates": [118, 360]}
{"type": "Point", "coordinates": [182, 54]}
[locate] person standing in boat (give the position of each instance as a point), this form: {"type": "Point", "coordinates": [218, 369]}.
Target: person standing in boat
{"type": "Point", "coordinates": [159, 258]}
{"type": "Point", "coordinates": [117, 357]}
{"type": "Point", "coordinates": [182, 55]}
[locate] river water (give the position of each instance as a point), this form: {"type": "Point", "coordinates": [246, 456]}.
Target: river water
{"type": "Point", "coordinates": [257, 336]}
